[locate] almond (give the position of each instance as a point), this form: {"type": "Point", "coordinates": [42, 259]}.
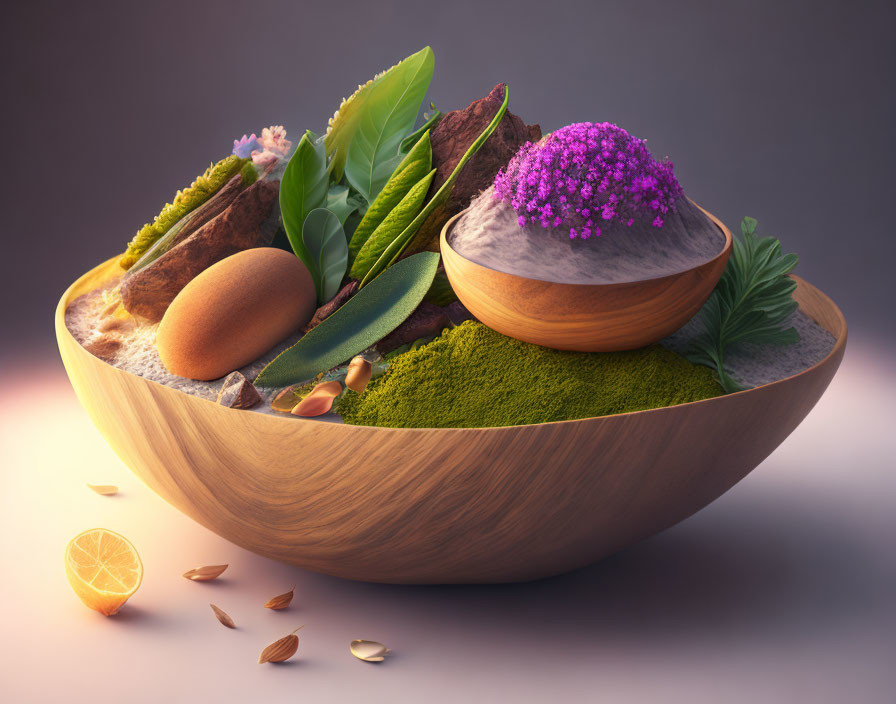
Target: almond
{"type": "Point", "coordinates": [205, 574]}
{"type": "Point", "coordinates": [280, 650]}
{"type": "Point", "coordinates": [103, 489]}
{"type": "Point", "coordinates": [281, 601]}
{"type": "Point", "coordinates": [223, 617]}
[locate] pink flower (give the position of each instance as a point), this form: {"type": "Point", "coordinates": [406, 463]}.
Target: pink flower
{"type": "Point", "coordinates": [274, 145]}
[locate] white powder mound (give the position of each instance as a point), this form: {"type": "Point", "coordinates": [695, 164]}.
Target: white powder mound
{"type": "Point", "coordinates": [490, 235]}
{"type": "Point", "coordinates": [139, 355]}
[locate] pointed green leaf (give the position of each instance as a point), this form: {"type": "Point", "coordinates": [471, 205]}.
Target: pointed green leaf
{"type": "Point", "coordinates": [394, 250]}
{"type": "Point", "coordinates": [302, 189]}
{"type": "Point", "coordinates": [389, 113]}
{"type": "Point", "coordinates": [432, 119]}
{"type": "Point", "coordinates": [412, 168]}
{"type": "Point", "coordinates": [363, 321]}
{"type": "Point", "coordinates": [392, 226]}
{"type": "Point", "coordinates": [325, 243]}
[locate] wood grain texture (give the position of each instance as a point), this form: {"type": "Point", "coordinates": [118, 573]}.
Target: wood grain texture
{"type": "Point", "coordinates": [583, 317]}
{"type": "Point", "coordinates": [441, 505]}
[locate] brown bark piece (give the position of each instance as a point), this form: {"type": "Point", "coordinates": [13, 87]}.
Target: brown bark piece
{"type": "Point", "coordinates": [243, 225]}
{"type": "Point", "coordinates": [450, 140]}
{"type": "Point", "coordinates": [213, 207]}
{"type": "Point", "coordinates": [331, 306]}
{"type": "Point", "coordinates": [427, 320]}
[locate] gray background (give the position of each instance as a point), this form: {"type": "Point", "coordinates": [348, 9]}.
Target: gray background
{"type": "Point", "coordinates": [780, 110]}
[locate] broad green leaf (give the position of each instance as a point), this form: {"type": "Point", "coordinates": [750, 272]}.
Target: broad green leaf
{"type": "Point", "coordinates": [751, 302]}
{"type": "Point", "coordinates": [364, 320]}
{"type": "Point", "coordinates": [389, 113]}
{"type": "Point", "coordinates": [412, 168]}
{"type": "Point", "coordinates": [302, 189]}
{"type": "Point", "coordinates": [342, 201]}
{"type": "Point", "coordinates": [325, 243]}
{"type": "Point", "coordinates": [432, 119]}
{"type": "Point", "coordinates": [392, 226]}
{"type": "Point", "coordinates": [344, 123]}
{"type": "Point", "coordinates": [394, 250]}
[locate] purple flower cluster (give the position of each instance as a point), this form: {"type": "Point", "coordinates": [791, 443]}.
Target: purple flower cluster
{"type": "Point", "coordinates": [585, 174]}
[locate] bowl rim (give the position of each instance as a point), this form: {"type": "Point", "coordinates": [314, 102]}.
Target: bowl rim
{"type": "Point", "coordinates": [100, 274]}
{"type": "Point", "coordinates": [722, 254]}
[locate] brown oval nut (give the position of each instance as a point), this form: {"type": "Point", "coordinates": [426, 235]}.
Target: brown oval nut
{"type": "Point", "coordinates": [358, 375]}
{"type": "Point", "coordinates": [319, 401]}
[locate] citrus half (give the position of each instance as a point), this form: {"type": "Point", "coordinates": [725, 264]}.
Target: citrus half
{"type": "Point", "coordinates": [103, 568]}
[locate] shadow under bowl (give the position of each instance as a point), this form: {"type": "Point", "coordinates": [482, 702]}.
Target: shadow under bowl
{"type": "Point", "coordinates": [583, 317]}
{"type": "Point", "coordinates": [450, 505]}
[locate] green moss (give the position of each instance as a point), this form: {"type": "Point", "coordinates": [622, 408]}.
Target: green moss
{"type": "Point", "coordinates": [472, 376]}
{"type": "Point", "coordinates": [203, 188]}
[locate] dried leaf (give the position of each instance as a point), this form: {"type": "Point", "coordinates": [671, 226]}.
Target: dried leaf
{"type": "Point", "coordinates": [368, 650]}
{"type": "Point", "coordinates": [280, 650]}
{"type": "Point", "coordinates": [281, 601]}
{"type": "Point", "coordinates": [223, 617]}
{"type": "Point", "coordinates": [205, 574]}
{"type": "Point", "coordinates": [103, 489]}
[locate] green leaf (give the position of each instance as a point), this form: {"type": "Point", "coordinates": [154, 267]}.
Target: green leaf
{"type": "Point", "coordinates": [342, 201]}
{"type": "Point", "coordinates": [394, 250]}
{"type": "Point", "coordinates": [389, 113]}
{"type": "Point", "coordinates": [392, 226]}
{"type": "Point", "coordinates": [432, 119]}
{"type": "Point", "coordinates": [412, 168]}
{"type": "Point", "coordinates": [325, 243]}
{"type": "Point", "coordinates": [365, 319]}
{"type": "Point", "coordinates": [302, 189]}
{"type": "Point", "coordinates": [751, 302]}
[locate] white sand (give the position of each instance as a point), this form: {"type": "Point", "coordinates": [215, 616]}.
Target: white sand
{"type": "Point", "coordinates": [754, 365]}
{"type": "Point", "coordinates": [139, 355]}
{"type": "Point", "coordinates": [751, 365]}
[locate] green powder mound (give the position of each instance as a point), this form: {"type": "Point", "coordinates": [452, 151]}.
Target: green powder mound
{"type": "Point", "coordinates": [203, 188]}
{"type": "Point", "coordinates": [474, 377]}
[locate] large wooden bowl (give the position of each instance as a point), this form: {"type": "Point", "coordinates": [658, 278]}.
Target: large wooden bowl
{"type": "Point", "coordinates": [440, 505]}
{"type": "Point", "coordinates": [584, 317]}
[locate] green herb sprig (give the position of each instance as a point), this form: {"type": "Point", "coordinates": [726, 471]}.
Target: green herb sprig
{"type": "Point", "coordinates": [749, 304]}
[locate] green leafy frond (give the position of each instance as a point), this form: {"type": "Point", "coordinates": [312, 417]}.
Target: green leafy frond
{"type": "Point", "coordinates": [751, 302]}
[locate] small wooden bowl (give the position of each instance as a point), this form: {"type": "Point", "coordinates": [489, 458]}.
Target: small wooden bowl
{"type": "Point", "coordinates": [583, 317]}
{"type": "Point", "coordinates": [439, 505]}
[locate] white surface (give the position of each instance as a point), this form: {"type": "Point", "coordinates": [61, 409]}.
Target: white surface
{"type": "Point", "coordinates": [783, 590]}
